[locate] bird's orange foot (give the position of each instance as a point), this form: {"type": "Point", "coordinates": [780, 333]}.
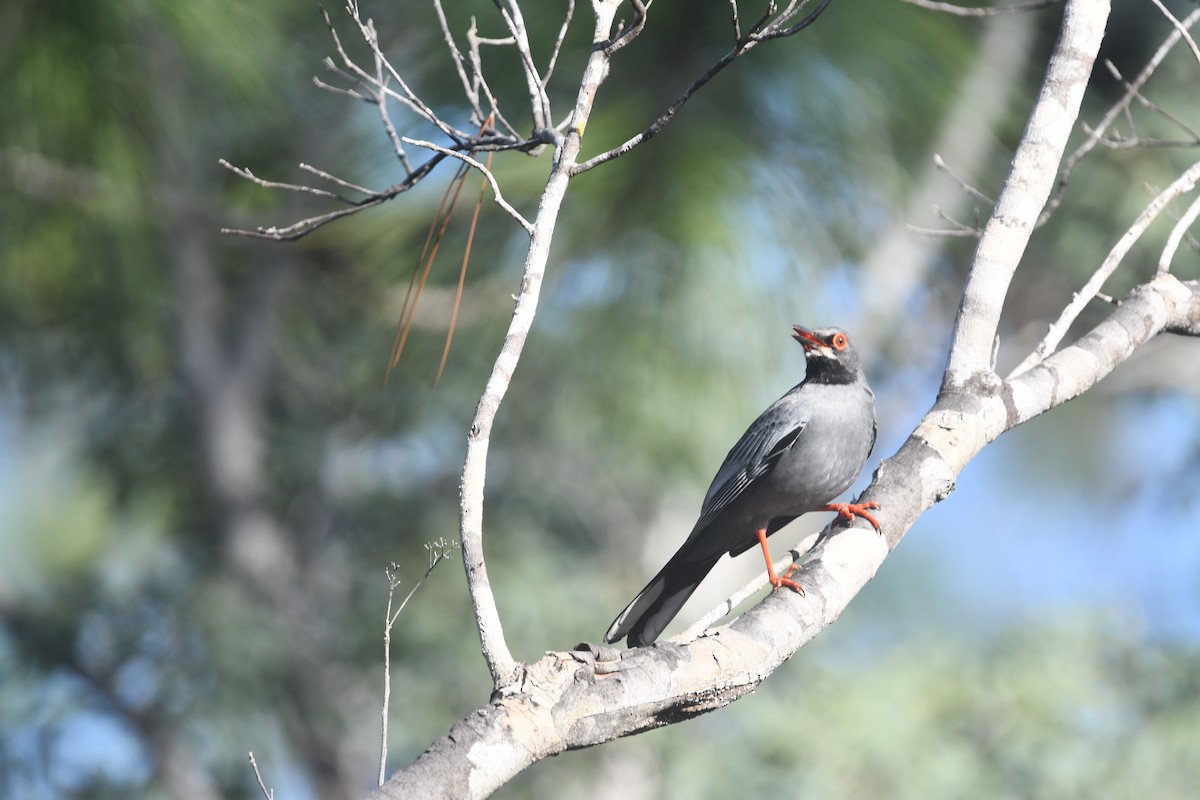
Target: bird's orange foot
{"type": "Point", "coordinates": [784, 579]}
{"type": "Point", "coordinates": [852, 511]}
{"type": "Point", "coordinates": [776, 579]}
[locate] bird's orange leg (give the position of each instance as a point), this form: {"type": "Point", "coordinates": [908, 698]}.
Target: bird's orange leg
{"type": "Point", "coordinates": [852, 511]}
{"type": "Point", "coordinates": [776, 579]}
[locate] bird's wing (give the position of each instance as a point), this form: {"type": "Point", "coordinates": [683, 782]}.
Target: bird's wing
{"type": "Point", "coordinates": [755, 454]}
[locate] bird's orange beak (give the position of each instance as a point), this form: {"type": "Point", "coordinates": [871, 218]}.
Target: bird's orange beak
{"type": "Point", "coordinates": [806, 338]}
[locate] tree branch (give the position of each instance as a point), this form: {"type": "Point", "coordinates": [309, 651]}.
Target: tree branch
{"type": "Point", "coordinates": [1183, 184]}
{"type": "Point", "coordinates": [1095, 135]}
{"type": "Point", "coordinates": [1025, 191]}
{"type": "Point", "coordinates": [761, 31]}
{"type": "Point", "coordinates": [503, 667]}
{"type": "Point", "coordinates": [980, 11]}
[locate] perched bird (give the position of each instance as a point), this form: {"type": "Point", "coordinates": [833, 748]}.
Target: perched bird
{"type": "Point", "coordinates": [797, 457]}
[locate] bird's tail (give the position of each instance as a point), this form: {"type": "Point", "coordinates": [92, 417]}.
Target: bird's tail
{"type": "Point", "coordinates": [656, 605]}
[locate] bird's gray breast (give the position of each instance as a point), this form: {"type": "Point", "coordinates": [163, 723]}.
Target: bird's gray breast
{"type": "Point", "coordinates": [828, 454]}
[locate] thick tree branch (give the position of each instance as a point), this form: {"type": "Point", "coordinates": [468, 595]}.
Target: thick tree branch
{"type": "Point", "coordinates": [1026, 190]}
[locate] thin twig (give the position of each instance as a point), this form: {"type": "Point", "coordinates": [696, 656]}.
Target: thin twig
{"type": "Point", "coordinates": [748, 590]}
{"type": "Point", "coordinates": [539, 101]}
{"type": "Point", "coordinates": [665, 118]}
{"type": "Point", "coordinates": [320, 173]}
{"type": "Point", "coordinates": [497, 195]}
{"type": "Point", "coordinates": [1118, 109]}
{"type": "Point", "coordinates": [480, 82]}
{"type": "Point", "coordinates": [243, 172]}
{"type": "Point", "coordinates": [1183, 184]}
{"type": "Point", "coordinates": [629, 34]}
{"type": "Point", "coordinates": [558, 43]}
{"type": "Point", "coordinates": [964, 232]}
{"type": "Point", "coordinates": [1148, 104]}
{"type": "Point", "coordinates": [1181, 227]}
{"type": "Point", "coordinates": [351, 93]}
{"type": "Point", "coordinates": [306, 226]}
{"type": "Point", "coordinates": [1178, 26]}
{"type": "Point", "coordinates": [762, 30]}
{"type": "Point", "coordinates": [437, 551]}
{"type": "Point", "coordinates": [983, 11]}
{"type": "Point", "coordinates": [960, 229]}
{"type": "Point", "coordinates": [457, 57]}
{"type": "Point", "coordinates": [966, 187]}
{"type": "Point", "coordinates": [799, 26]}
{"type": "Point", "coordinates": [303, 227]}
{"type": "Point", "coordinates": [385, 117]}
{"type": "Point", "coordinates": [269, 794]}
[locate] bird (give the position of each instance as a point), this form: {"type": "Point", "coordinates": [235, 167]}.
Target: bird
{"type": "Point", "coordinates": [804, 451]}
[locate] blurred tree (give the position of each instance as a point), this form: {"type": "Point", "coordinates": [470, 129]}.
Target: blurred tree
{"type": "Point", "coordinates": [205, 482]}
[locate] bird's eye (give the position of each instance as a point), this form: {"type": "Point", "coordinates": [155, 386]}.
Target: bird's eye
{"type": "Point", "coordinates": [840, 341]}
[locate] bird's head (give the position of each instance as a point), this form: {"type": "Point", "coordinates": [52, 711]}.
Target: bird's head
{"type": "Point", "coordinates": [830, 353]}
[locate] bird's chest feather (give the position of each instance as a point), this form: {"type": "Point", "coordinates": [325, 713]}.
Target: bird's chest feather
{"type": "Point", "coordinates": [828, 454]}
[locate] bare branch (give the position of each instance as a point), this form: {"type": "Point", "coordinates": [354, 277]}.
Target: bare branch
{"type": "Point", "coordinates": [1025, 191]}
{"type": "Point", "coordinates": [481, 82]}
{"type": "Point", "coordinates": [437, 551]}
{"type": "Point", "coordinates": [1146, 103]}
{"type": "Point", "coordinates": [775, 29]}
{"type": "Point", "coordinates": [307, 226]}
{"type": "Point", "coordinates": [980, 11]}
{"type": "Point", "coordinates": [243, 172]}
{"type": "Point", "coordinates": [657, 126]}
{"type": "Point", "coordinates": [487, 173]}
{"type": "Point", "coordinates": [504, 669]}
{"type": "Point", "coordinates": [628, 35]}
{"type": "Point", "coordinates": [1186, 221]}
{"type": "Point", "coordinates": [1183, 184]}
{"type": "Point", "coordinates": [1179, 28]}
{"type": "Point", "coordinates": [1121, 107]}
{"type": "Point", "coordinates": [539, 101]}
{"type": "Point", "coordinates": [320, 173]}
{"type": "Point", "coordinates": [269, 794]}
{"type": "Point", "coordinates": [558, 43]}
{"type": "Point", "coordinates": [966, 187]}
{"type": "Point", "coordinates": [457, 57]}
{"type": "Point", "coordinates": [742, 46]}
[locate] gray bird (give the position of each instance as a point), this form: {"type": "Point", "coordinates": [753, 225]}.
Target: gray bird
{"type": "Point", "coordinates": [797, 457]}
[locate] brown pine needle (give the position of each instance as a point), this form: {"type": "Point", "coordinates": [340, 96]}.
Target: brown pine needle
{"type": "Point", "coordinates": [441, 220]}
{"type": "Point", "coordinates": [437, 229]}
{"type": "Point", "coordinates": [462, 273]}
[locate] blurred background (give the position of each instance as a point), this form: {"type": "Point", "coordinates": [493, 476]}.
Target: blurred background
{"type": "Point", "coordinates": [202, 481]}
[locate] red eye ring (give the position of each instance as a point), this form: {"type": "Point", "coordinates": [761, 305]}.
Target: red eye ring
{"type": "Point", "coordinates": [840, 341]}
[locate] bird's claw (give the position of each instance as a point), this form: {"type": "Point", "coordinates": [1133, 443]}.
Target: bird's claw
{"type": "Point", "coordinates": [786, 580]}
{"type": "Point", "coordinates": [852, 511]}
